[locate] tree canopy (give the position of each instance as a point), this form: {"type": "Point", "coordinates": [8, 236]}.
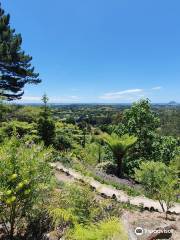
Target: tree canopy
{"type": "Point", "coordinates": [15, 65]}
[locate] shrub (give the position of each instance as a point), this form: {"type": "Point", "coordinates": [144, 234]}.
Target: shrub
{"type": "Point", "coordinates": [108, 229]}
{"type": "Point", "coordinates": [20, 128]}
{"type": "Point", "coordinates": [62, 143]}
{"type": "Point", "coordinates": [77, 200]}
{"type": "Point", "coordinates": [106, 166]}
{"type": "Point", "coordinates": [25, 181]}
{"type": "Point", "coordinates": [160, 182]}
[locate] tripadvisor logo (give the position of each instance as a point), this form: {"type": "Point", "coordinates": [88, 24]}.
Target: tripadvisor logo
{"type": "Point", "coordinates": [139, 231]}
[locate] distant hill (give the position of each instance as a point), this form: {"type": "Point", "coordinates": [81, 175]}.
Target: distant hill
{"type": "Point", "coordinates": [173, 103]}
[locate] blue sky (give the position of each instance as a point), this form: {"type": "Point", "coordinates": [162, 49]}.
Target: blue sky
{"type": "Point", "coordinates": [110, 51]}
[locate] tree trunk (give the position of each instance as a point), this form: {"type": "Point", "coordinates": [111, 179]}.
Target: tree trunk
{"type": "Point", "coordinates": [84, 139]}
{"type": "Point", "coordinates": [99, 153]}
{"type": "Point", "coordinates": [12, 222]}
{"type": "Point", "coordinates": [119, 167]}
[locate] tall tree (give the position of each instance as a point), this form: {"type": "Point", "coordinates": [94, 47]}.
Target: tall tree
{"type": "Point", "coordinates": [119, 147]}
{"type": "Point", "coordinates": [46, 126]}
{"type": "Point", "coordinates": [141, 121]}
{"type": "Point", "coordinates": [15, 65]}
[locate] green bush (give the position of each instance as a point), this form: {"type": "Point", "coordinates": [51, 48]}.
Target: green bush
{"type": "Point", "coordinates": [25, 181]}
{"type": "Point", "coordinates": [109, 229]}
{"type": "Point", "coordinates": [62, 143]}
{"type": "Point", "coordinates": [77, 200]}
{"type": "Point", "coordinates": [160, 182]}
{"type": "Point", "coordinates": [19, 128]}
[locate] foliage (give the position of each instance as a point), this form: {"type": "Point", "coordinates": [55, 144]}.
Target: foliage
{"type": "Point", "coordinates": [15, 65]}
{"type": "Point", "coordinates": [76, 205]}
{"type": "Point", "coordinates": [160, 182]}
{"type": "Point", "coordinates": [140, 119]}
{"type": "Point", "coordinates": [141, 122]}
{"type": "Point", "coordinates": [3, 109]}
{"type": "Point", "coordinates": [91, 155]}
{"type": "Point", "coordinates": [62, 143]}
{"type": "Point", "coordinates": [77, 200]}
{"type": "Point", "coordinates": [25, 180]}
{"type": "Point", "coordinates": [74, 208]}
{"type": "Point", "coordinates": [20, 128]}
{"type": "Point", "coordinates": [46, 130]}
{"type": "Point", "coordinates": [106, 166]}
{"type": "Point", "coordinates": [46, 125]}
{"type": "Point", "coordinates": [28, 114]}
{"type": "Point", "coordinates": [130, 190]}
{"type": "Point", "coordinates": [108, 229]}
{"type": "Point", "coordinates": [119, 147]}
{"type": "Point", "coordinates": [176, 161]}
{"type": "Point", "coordinates": [169, 121]}
{"type": "Point", "coordinates": [165, 148]}
{"type": "Point", "coordinates": [62, 217]}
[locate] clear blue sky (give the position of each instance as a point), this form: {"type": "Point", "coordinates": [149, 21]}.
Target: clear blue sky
{"type": "Point", "coordinates": [101, 50]}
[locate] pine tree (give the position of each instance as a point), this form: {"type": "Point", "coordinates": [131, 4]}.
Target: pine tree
{"type": "Point", "coordinates": [46, 126]}
{"type": "Point", "coordinates": [15, 65]}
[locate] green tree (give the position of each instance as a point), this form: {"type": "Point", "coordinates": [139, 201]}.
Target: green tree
{"type": "Point", "coordinates": [2, 109]}
{"type": "Point", "coordinates": [17, 127]}
{"type": "Point", "coordinates": [25, 181]}
{"type": "Point", "coordinates": [46, 125]}
{"type": "Point", "coordinates": [62, 143]}
{"type": "Point", "coordinates": [141, 122]}
{"type": "Point", "coordinates": [84, 127]}
{"type": "Point", "coordinates": [164, 148]}
{"type": "Point", "coordinates": [28, 114]}
{"type": "Point", "coordinates": [119, 147]}
{"type": "Point", "coordinates": [15, 65]}
{"type": "Point", "coordinates": [160, 182]}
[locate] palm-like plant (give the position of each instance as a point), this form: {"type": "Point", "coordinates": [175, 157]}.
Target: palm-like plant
{"type": "Point", "coordinates": [119, 147]}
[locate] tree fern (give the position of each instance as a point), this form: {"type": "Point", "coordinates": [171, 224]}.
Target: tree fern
{"type": "Point", "coordinates": [119, 146]}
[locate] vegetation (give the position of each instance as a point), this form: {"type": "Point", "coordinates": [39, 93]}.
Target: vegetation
{"type": "Point", "coordinates": [113, 144]}
{"type": "Point", "coordinates": [160, 183]}
{"type": "Point", "coordinates": [77, 209]}
{"type": "Point", "coordinates": [46, 126]}
{"type": "Point", "coordinates": [109, 229]}
{"type": "Point", "coordinates": [25, 182]}
{"type": "Point", "coordinates": [15, 65]}
{"type": "Point", "coordinates": [119, 147]}
{"type": "Point", "coordinates": [73, 210]}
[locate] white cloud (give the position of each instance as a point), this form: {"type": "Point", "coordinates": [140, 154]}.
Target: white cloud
{"type": "Point", "coordinates": [74, 89]}
{"type": "Point", "coordinates": [31, 99]}
{"type": "Point", "coordinates": [37, 99]}
{"type": "Point", "coordinates": [64, 99]}
{"type": "Point", "coordinates": [156, 88]}
{"type": "Point", "coordinates": [126, 95]}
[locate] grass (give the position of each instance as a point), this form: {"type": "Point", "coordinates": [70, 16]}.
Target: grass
{"type": "Point", "coordinates": [80, 167]}
{"type": "Point", "coordinates": [129, 190]}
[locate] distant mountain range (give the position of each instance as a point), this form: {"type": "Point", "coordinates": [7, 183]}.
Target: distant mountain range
{"type": "Point", "coordinates": [173, 103]}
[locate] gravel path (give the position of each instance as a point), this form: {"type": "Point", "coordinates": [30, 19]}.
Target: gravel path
{"type": "Point", "coordinates": [110, 191]}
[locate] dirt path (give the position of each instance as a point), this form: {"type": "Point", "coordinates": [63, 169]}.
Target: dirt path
{"type": "Point", "coordinates": [110, 191]}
